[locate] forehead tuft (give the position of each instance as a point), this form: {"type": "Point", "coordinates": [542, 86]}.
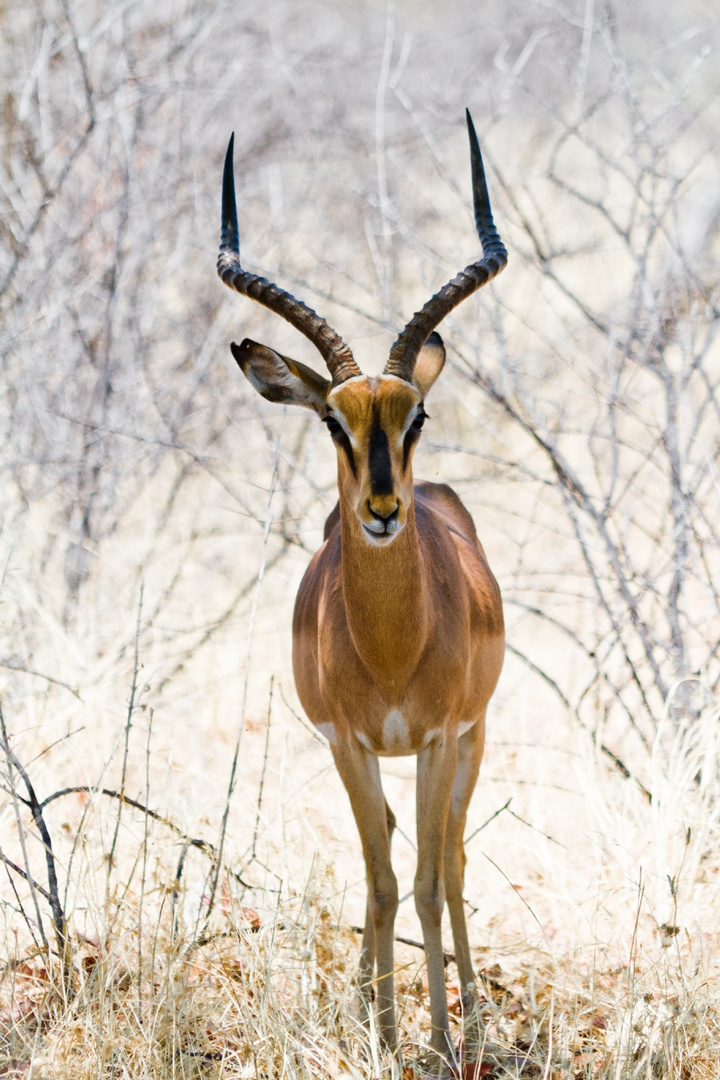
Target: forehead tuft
{"type": "Point", "coordinates": [384, 396]}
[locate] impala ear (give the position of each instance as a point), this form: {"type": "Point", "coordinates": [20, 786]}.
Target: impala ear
{"type": "Point", "coordinates": [278, 378]}
{"type": "Point", "coordinates": [429, 363]}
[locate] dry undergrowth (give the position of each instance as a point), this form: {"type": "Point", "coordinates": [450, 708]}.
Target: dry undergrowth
{"type": "Point", "coordinates": [272, 997]}
{"type": "Point", "coordinates": [165, 982]}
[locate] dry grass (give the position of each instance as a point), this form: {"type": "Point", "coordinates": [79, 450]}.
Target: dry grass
{"type": "Point", "coordinates": [600, 961]}
{"type": "Point", "coordinates": [157, 517]}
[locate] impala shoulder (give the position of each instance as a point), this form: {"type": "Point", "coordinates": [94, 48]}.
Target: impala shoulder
{"type": "Point", "coordinates": [442, 500]}
{"type": "Point", "coordinates": [332, 521]}
{"type": "Point", "coordinates": [321, 577]}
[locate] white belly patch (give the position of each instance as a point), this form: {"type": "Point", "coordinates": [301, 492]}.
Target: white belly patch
{"type": "Point", "coordinates": [396, 736]}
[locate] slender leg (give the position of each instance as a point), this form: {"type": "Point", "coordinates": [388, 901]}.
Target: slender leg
{"type": "Point", "coordinates": [470, 752]}
{"type": "Point", "coordinates": [367, 952]}
{"type": "Point", "coordinates": [360, 774]}
{"type": "Point", "coordinates": [435, 773]}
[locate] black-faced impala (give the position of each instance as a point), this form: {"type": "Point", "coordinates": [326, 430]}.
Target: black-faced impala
{"type": "Point", "coordinates": [398, 628]}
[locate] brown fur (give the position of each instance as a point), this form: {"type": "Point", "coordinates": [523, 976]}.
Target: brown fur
{"type": "Point", "coordinates": [397, 647]}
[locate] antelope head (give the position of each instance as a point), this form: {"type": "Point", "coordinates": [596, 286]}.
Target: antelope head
{"type": "Point", "coordinates": [375, 422]}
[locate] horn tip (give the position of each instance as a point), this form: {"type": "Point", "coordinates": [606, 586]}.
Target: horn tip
{"type": "Point", "coordinates": [229, 238]}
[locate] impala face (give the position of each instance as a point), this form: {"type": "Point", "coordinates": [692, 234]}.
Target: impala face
{"type": "Point", "coordinates": [375, 424]}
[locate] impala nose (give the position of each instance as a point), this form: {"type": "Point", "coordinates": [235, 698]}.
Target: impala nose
{"type": "Point", "coordinates": [385, 518]}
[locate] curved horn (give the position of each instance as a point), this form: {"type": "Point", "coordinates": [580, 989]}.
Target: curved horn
{"type": "Point", "coordinates": [405, 350]}
{"type": "Point", "coordinates": [330, 345]}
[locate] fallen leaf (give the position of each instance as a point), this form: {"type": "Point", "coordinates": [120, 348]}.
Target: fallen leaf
{"type": "Point", "coordinates": [667, 932]}
{"type": "Point", "coordinates": [236, 969]}
{"type": "Point", "coordinates": [494, 972]}
{"type": "Point", "coordinates": [15, 1068]}
{"type": "Point", "coordinates": [251, 916]}
{"type": "Point", "coordinates": [473, 1070]}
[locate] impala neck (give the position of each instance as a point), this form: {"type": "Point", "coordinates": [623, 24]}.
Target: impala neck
{"type": "Point", "coordinates": [385, 600]}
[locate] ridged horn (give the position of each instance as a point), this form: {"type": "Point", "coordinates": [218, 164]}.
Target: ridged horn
{"type": "Point", "coordinates": [405, 350]}
{"type": "Point", "coordinates": [329, 344]}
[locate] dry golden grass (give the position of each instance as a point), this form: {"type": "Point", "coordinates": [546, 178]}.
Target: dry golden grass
{"type": "Point", "coordinates": [599, 960]}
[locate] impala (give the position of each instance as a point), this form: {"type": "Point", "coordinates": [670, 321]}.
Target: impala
{"type": "Point", "coordinates": [398, 633]}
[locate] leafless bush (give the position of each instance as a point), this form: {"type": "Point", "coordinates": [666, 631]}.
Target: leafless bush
{"type": "Point", "coordinates": [113, 324]}
{"type": "Point", "coordinates": [147, 499]}
{"type": "Point", "coordinates": [615, 396]}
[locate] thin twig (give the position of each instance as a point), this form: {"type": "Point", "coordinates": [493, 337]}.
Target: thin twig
{"type": "Point", "coordinates": [189, 841]}
{"type": "Point", "coordinates": [262, 774]}
{"type": "Point", "coordinates": [26, 877]}
{"type": "Point", "coordinates": [128, 724]}
{"type": "Point", "coordinates": [144, 865]}
{"type": "Point", "coordinates": [21, 832]}
{"type": "Point", "coordinates": [40, 675]}
{"type": "Point", "coordinates": [59, 921]}
{"type": "Point", "coordinates": [448, 957]}
{"type": "Point", "coordinates": [485, 824]}
{"type": "Point", "coordinates": [9, 864]}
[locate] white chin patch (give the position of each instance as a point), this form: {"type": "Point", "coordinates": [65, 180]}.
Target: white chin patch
{"type": "Point", "coordinates": [380, 539]}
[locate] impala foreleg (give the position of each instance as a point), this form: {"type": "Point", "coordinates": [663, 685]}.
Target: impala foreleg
{"type": "Point", "coordinates": [470, 752]}
{"type": "Point", "coordinates": [367, 952]}
{"type": "Point", "coordinates": [435, 773]}
{"type": "Point", "coordinates": [360, 774]}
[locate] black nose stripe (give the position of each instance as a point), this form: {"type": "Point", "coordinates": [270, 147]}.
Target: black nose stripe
{"type": "Point", "coordinates": [381, 481]}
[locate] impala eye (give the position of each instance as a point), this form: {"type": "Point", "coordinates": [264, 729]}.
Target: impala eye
{"type": "Point", "coordinates": [419, 421]}
{"type": "Point", "coordinates": [332, 425]}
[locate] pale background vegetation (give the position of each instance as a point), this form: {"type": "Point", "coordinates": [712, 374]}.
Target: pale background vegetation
{"type": "Point", "coordinates": [156, 517]}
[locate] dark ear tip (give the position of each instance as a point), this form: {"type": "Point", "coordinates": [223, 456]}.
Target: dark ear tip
{"type": "Point", "coordinates": [243, 351]}
{"type": "Point", "coordinates": [240, 352]}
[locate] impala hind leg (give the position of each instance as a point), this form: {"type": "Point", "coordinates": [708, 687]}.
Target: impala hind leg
{"type": "Point", "coordinates": [360, 773]}
{"type": "Point", "coordinates": [470, 752]}
{"type": "Point", "coordinates": [435, 774]}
